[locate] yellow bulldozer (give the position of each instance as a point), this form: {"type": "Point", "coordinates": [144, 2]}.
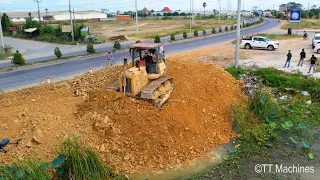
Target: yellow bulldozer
{"type": "Point", "coordinates": [147, 78]}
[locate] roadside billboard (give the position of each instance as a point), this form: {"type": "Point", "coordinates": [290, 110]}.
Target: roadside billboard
{"type": "Point", "coordinates": [66, 28]}
{"type": "Point", "coordinates": [295, 15]}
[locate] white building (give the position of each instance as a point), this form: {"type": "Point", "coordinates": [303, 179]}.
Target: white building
{"type": "Point", "coordinates": [58, 16]}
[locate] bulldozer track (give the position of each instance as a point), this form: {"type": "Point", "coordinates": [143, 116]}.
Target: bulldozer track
{"type": "Point", "coordinates": [148, 90]}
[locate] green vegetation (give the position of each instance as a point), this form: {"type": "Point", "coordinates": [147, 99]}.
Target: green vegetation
{"type": "Point", "coordinates": [195, 33]}
{"type": "Point", "coordinates": [57, 52]}
{"type": "Point", "coordinates": [185, 35]}
{"type": "Point", "coordinates": [213, 30]}
{"type": "Point", "coordinates": [5, 52]}
{"type": "Point", "coordinates": [226, 29]}
{"type": "Point", "coordinates": [5, 22]}
{"type": "Point", "coordinates": [204, 32]}
{"type": "Point", "coordinates": [172, 37]}
{"type": "Point", "coordinates": [234, 71]}
{"type": "Point", "coordinates": [75, 161]}
{"type": "Point", "coordinates": [18, 59]}
{"type": "Point", "coordinates": [157, 39]}
{"type": "Point", "coordinates": [117, 45]}
{"type": "Point", "coordinates": [304, 24]}
{"type": "Point", "coordinates": [90, 48]}
{"type": "Point", "coordinates": [220, 30]}
{"type": "Point", "coordinates": [268, 123]}
{"type": "Point", "coordinates": [138, 41]}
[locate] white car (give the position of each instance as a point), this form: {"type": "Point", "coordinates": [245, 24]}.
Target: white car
{"type": "Point", "coordinates": [317, 48]}
{"type": "Point", "coordinates": [259, 42]}
{"type": "Point", "coordinates": [315, 39]}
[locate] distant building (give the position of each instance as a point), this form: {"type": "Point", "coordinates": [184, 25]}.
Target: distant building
{"type": "Point", "coordinates": [166, 9]}
{"type": "Point", "coordinates": [285, 7]}
{"type": "Point", "coordinates": [314, 7]}
{"type": "Point", "coordinates": [58, 16]}
{"type": "Point", "coordinates": [106, 11]}
{"type": "Point", "coordinates": [145, 10]}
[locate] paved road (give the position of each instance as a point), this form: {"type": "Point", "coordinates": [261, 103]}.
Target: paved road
{"type": "Point", "coordinates": [35, 51]}
{"type": "Point", "coordinates": [24, 78]}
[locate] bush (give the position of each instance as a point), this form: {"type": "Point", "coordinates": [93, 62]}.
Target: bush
{"type": "Point", "coordinates": [90, 48]}
{"type": "Point", "coordinates": [231, 28]}
{"type": "Point", "coordinates": [204, 32]}
{"type": "Point", "coordinates": [226, 28]}
{"type": "Point", "coordinates": [157, 39]}
{"type": "Point", "coordinates": [57, 52]}
{"type": "Point", "coordinates": [213, 30]}
{"type": "Point", "coordinates": [234, 71]}
{"type": "Point", "coordinates": [220, 29]}
{"type": "Point", "coordinates": [138, 41]}
{"type": "Point", "coordinates": [18, 59]}
{"type": "Point", "coordinates": [195, 33]}
{"type": "Point", "coordinates": [117, 45]}
{"type": "Point", "coordinates": [172, 38]}
{"type": "Point", "coordinates": [185, 35]}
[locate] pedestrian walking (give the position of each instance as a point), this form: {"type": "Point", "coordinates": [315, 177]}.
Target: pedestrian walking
{"type": "Point", "coordinates": [302, 57]}
{"type": "Point", "coordinates": [313, 63]}
{"type": "Point", "coordinates": [110, 58]}
{"type": "Point", "coordinates": [289, 56]}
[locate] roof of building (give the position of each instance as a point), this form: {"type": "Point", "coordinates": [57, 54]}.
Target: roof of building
{"type": "Point", "coordinates": [145, 10]}
{"type": "Point", "coordinates": [35, 14]}
{"type": "Point", "coordinates": [166, 9]}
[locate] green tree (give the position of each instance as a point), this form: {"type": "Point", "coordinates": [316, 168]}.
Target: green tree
{"type": "Point", "coordinates": [5, 22]}
{"type": "Point", "coordinates": [204, 7]}
{"type": "Point", "coordinates": [172, 38]}
{"type": "Point", "coordinates": [185, 35]}
{"type": "Point", "coordinates": [183, 14]}
{"type": "Point", "coordinates": [204, 32]}
{"type": "Point", "coordinates": [311, 14]}
{"type": "Point", "coordinates": [226, 28]}
{"type": "Point", "coordinates": [90, 48]}
{"type": "Point", "coordinates": [18, 59]}
{"type": "Point", "coordinates": [213, 30]}
{"type": "Point", "coordinates": [175, 14]}
{"type": "Point", "coordinates": [57, 52]}
{"type": "Point", "coordinates": [195, 33]}
{"type": "Point", "coordinates": [117, 45]}
{"type": "Point", "coordinates": [47, 29]}
{"type": "Point", "coordinates": [220, 29]}
{"type": "Point", "coordinates": [157, 39]}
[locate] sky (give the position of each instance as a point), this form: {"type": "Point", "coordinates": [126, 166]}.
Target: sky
{"type": "Point", "coordinates": [126, 5]}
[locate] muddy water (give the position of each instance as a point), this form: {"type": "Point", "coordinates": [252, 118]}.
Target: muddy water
{"type": "Point", "coordinates": [186, 170]}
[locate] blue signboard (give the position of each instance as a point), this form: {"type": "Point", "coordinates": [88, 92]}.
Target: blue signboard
{"type": "Point", "coordinates": [295, 15]}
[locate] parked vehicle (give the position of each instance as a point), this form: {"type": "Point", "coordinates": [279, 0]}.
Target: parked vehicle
{"type": "Point", "coordinates": [259, 42]}
{"type": "Point", "coordinates": [316, 49]}
{"type": "Point", "coordinates": [315, 39]}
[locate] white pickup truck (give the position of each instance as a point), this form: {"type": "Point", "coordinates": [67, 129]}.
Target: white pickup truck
{"type": "Point", "coordinates": [259, 42]}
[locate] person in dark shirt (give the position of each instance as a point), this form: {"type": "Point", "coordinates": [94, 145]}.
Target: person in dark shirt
{"type": "Point", "coordinates": [302, 57]}
{"type": "Point", "coordinates": [313, 63]}
{"type": "Point", "coordinates": [289, 56]}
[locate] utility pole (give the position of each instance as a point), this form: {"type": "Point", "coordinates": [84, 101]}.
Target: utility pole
{"type": "Point", "coordinates": [236, 60]}
{"type": "Point", "coordinates": [190, 16]}
{"type": "Point", "coordinates": [1, 34]}
{"type": "Point", "coordinates": [192, 13]}
{"type": "Point", "coordinates": [136, 5]}
{"type": "Point", "coordinates": [38, 9]}
{"type": "Point", "coordinates": [74, 22]}
{"type": "Point", "coordinates": [219, 10]}
{"type": "Point", "coordinates": [273, 13]}
{"type": "Point", "coordinates": [71, 26]}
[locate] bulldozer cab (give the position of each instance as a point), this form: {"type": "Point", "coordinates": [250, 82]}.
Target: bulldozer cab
{"type": "Point", "coordinates": [148, 55]}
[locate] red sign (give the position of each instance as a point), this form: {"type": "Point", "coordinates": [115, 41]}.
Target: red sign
{"type": "Point", "coordinates": [13, 29]}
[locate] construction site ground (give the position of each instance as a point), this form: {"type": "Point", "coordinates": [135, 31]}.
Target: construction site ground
{"type": "Point", "coordinates": [129, 133]}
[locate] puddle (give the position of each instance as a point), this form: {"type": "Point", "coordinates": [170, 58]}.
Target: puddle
{"type": "Point", "coordinates": [186, 170]}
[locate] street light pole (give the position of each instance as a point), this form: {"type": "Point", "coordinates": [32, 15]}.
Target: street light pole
{"type": "Point", "coordinates": [71, 25]}
{"type": "Point", "coordinates": [219, 10]}
{"type": "Point", "coordinates": [38, 9]}
{"type": "Point", "coordinates": [1, 33]}
{"type": "Point", "coordinates": [236, 60]}
{"type": "Point", "coordinates": [137, 30]}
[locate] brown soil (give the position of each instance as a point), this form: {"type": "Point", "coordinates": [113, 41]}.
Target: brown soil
{"type": "Point", "coordinates": [126, 132]}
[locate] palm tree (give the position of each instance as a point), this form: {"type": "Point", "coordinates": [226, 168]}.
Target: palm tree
{"type": "Point", "coordinates": [204, 7]}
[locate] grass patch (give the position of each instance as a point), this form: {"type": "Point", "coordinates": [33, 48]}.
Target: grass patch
{"type": "Point", "coordinates": [234, 71]}
{"type": "Point", "coordinates": [75, 161]}
{"type": "Point", "coordinates": [304, 23]}
{"type": "Point", "coordinates": [183, 26]}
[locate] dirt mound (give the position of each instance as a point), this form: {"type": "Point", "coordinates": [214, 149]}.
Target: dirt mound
{"type": "Point", "coordinates": [126, 132]}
